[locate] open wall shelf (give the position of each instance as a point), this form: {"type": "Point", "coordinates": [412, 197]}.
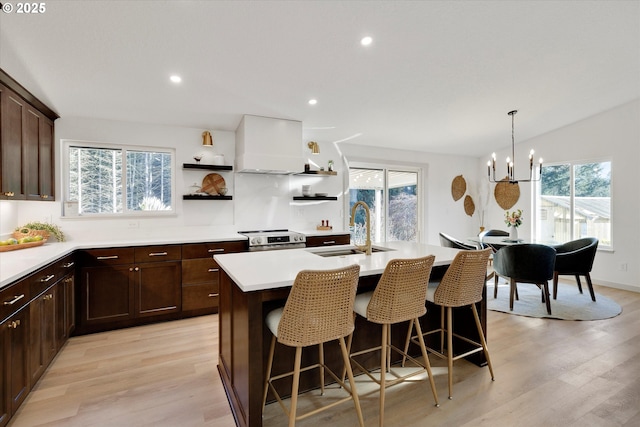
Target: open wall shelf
{"type": "Point", "coordinates": [192, 197]}
{"type": "Point", "coordinates": [321, 173]}
{"type": "Point", "coordinates": [314, 198]}
{"type": "Point", "coordinates": [207, 167]}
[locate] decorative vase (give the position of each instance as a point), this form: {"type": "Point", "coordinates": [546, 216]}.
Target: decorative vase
{"type": "Point", "coordinates": [513, 233]}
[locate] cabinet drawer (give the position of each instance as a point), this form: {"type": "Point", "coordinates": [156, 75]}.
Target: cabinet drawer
{"type": "Point", "coordinates": [108, 256]}
{"type": "Point", "coordinates": [208, 250]}
{"type": "Point", "coordinates": [64, 266]}
{"type": "Point", "coordinates": [42, 279]}
{"type": "Point", "coordinates": [334, 239]}
{"type": "Point", "coordinates": [158, 253]}
{"type": "Point", "coordinates": [199, 271]}
{"type": "Point", "coordinates": [197, 297]}
{"type": "Point", "coordinates": [13, 298]}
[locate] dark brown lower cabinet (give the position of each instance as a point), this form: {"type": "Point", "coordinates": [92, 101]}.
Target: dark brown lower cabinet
{"type": "Point", "coordinates": [14, 344]}
{"type": "Point", "coordinates": [200, 281]}
{"type": "Point", "coordinates": [66, 311]}
{"type": "Point", "coordinates": [46, 321]}
{"type": "Point", "coordinates": [34, 326]}
{"type": "Point", "coordinates": [157, 288]}
{"type": "Point", "coordinates": [328, 240]}
{"type": "Point", "coordinates": [106, 294]}
{"type": "Point", "coordinates": [201, 275]}
{"type": "Point", "coordinates": [116, 291]}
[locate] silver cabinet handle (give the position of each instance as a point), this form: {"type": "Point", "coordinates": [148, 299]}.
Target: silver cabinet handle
{"type": "Point", "coordinates": [68, 265]}
{"type": "Point", "coordinates": [329, 242]}
{"type": "Point", "coordinates": [216, 250]}
{"type": "Point", "coordinates": [107, 257]}
{"type": "Point", "coordinates": [14, 300]}
{"type": "Point", "coordinates": [213, 270]}
{"type": "Point", "coordinates": [158, 254]}
{"type": "Point", "coordinates": [212, 295]}
{"type": "Point", "coordinates": [46, 279]}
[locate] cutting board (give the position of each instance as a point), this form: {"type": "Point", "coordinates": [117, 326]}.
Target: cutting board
{"type": "Point", "coordinates": [212, 183]}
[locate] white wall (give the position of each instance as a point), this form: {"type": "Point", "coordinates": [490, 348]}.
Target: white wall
{"type": "Point", "coordinates": [614, 135]}
{"type": "Point", "coordinates": [259, 201]}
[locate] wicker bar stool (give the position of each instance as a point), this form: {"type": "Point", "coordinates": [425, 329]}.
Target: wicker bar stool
{"type": "Point", "coordinates": [319, 309]}
{"type": "Point", "coordinates": [399, 296]}
{"type": "Point", "coordinates": [461, 286]}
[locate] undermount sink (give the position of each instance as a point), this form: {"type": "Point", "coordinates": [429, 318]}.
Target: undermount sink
{"type": "Point", "coordinates": [324, 252]}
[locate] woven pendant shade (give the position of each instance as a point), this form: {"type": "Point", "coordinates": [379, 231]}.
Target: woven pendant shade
{"type": "Point", "coordinates": [506, 193]}
{"type": "Point", "coordinates": [469, 206]}
{"type": "Point", "coordinates": [458, 187]}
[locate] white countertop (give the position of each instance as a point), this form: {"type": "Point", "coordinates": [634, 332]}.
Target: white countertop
{"type": "Point", "coordinates": [18, 263]}
{"type": "Point", "coordinates": [255, 271]}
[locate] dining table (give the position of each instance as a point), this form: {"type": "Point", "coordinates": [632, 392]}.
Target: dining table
{"type": "Point", "coordinates": [497, 242]}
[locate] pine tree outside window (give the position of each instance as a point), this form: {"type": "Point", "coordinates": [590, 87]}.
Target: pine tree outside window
{"type": "Point", "coordinates": [115, 180]}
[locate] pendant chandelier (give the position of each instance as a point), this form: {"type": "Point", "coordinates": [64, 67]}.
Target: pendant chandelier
{"type": "Point", "coordinates": [491, 164]}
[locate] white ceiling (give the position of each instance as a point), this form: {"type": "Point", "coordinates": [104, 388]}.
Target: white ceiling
{"type": "Point", "coordinates": [440, 76]}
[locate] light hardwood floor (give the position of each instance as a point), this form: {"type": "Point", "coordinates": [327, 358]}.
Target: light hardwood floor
{"type": "Point", "coordinates": [548, 373]}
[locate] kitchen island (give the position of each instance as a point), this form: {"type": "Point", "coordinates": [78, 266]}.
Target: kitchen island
{"type": "Point", "coordinates": [254, 283]}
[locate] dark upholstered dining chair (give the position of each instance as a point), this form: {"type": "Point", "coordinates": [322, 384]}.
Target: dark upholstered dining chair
{"type": "Point", "coordinates": [451, 242]}
{"type": "Point", "coordinates": [495, 248]}
{"type": "Point", "coordinates": [575, 258]}
{"type": "Point", "coordinates": [526, 263]}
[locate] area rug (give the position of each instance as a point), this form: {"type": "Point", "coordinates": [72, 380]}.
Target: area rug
{"type": "Point", "coordinates": [570, 304]}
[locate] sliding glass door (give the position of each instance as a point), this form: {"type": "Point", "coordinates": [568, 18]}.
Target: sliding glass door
{"type": "Point", "coordinates": [393, 199]}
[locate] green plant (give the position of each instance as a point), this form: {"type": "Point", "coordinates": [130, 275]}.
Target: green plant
{"type": "Point", "coordinates": [53, 229]}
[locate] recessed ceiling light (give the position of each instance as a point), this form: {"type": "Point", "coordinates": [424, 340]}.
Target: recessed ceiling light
{"type": "Point", "coordinates": [366, 41]}
{"type": "Point", "coordinates": [313, 101]}
{"type": "Point", "coordinates": [175, 79]}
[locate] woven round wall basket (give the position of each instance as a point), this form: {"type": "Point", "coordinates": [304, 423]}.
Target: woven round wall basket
{"type": "Point", "coordinates": [469, 206]}
{"type": "Point", "coordinates": [458, 187]}
{"type": "Point", "coordinates": [507, 193]}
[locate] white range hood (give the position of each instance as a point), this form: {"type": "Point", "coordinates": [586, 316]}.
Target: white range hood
{"type": "Point", "coordinates": [269, 146]}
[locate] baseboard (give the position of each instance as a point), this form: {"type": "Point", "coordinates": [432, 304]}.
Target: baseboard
{"type": "Point", "coordinates": [622, 286]}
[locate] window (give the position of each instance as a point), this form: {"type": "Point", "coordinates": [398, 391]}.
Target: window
{"type": "Point", "coordinates": [113, 180]}
{"type": "Point", "coordinates": [392, 197]}
{"type": "Point", "coordinates": [574, 201]}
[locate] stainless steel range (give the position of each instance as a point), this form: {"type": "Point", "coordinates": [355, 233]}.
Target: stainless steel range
{"type": "Point", "coordinates": [268, 240]}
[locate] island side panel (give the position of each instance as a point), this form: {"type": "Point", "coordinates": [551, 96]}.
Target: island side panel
{"type": "Point", "coordinates": [225, 348]}
{"type": "Point", "coordinates": [241, 364]}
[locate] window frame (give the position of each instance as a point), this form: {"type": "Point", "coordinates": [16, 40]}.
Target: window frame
{"type": "Point", "coordinates": [572, 165]}
{"type": "Point", "coordinates": [386, 168]}
{"type": "Point", "coordinates": [66, 144]}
